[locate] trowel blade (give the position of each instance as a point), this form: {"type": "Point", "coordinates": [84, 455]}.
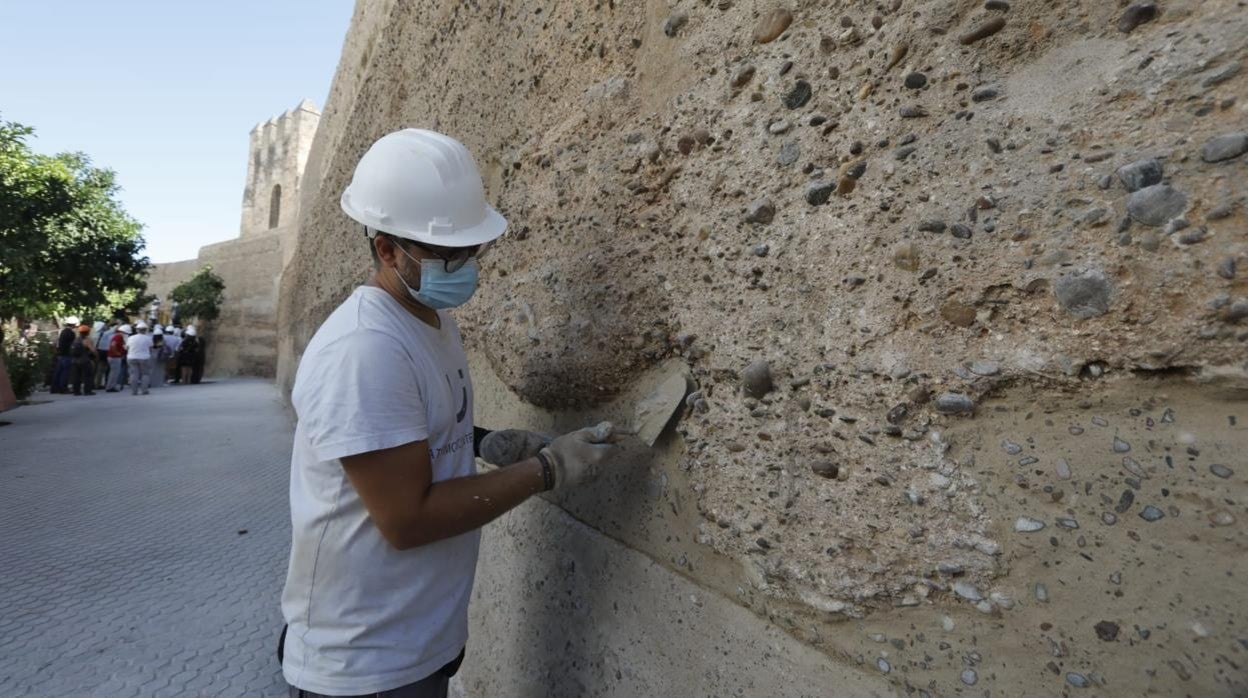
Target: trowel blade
{"type": "Point", "coordinates": [653, 412]}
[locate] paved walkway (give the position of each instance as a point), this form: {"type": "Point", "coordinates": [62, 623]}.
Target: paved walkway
{"type": "Point", "coordinates": [124, 566]}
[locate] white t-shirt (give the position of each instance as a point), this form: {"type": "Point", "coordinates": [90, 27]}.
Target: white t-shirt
{"type": "Point", "coordinates": [363, 616]}
{"type": "Point", "coordinates": [139, 347]}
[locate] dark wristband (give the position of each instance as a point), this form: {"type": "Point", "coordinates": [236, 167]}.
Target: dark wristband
{"type": "Point", "coordinates": [548, 472]}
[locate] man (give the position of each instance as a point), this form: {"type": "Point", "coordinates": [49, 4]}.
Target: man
{"type": "Point", "coordinates": [117, 358]}
{"type": "Point", "coordinates": [101, 350]}
{"type": "Point", "coordinates": [385, 500]}
{"type": "Point", "coordinates": [188, 351]}
{"type": "Point", "coordinates": [82, 362]}
{"type": "Point", "coordinates": [173, 340]}
{"type": "Point", "coordinates": [64, 343]}
{"type": "Point", "coordinates": [138, 358]}
{"type": "Point", "coordinates": [156, 366]}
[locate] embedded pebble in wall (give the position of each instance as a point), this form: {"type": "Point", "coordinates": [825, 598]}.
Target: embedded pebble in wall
{"type": "Point", "coordinates": [798, 96]}
{"type": "Point", "coordinates": [1225, 147]}
{"type": "Point", "coordinates": [954, 403]}
{"type": "Point", "coordinates": [968, 591]}
{"type": "Point", "coordinates": [674, 22]}
{"type": "Point", "coordinates": [1135, 15]}
{"type": "Point", "coordinates": [742, 76]}
{"type": "Point", "coordinates": [756, 379]}
{"type": "Point", "coordinates": [1084, 294]}
{"type": "Point", "coordinates": [1156, 205]}
{"type": "Point", "coordinates": [819, 191]}
{"type": "Point", "coordinates": [771, 25]}
{"type": "Point", "coordinates": [1026, 524]}
{"type": "Point", "coordinates": [985, 368]}
{"type": "Point", "coordinates": [760, 211]}
{"type": "Point", "coordinates": [983, 31]}
{"type": "Point", "coordinates": [1140, 174]}
{"type": "Point", "coordinates": [1151, 513]}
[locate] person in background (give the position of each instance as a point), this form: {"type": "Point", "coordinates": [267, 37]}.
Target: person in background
{"type": "Point", "coordinates": [64, 342]}
{"type": "Point", "coordinates": [139, 357]}
{"type": "Point", "coordinates": [159, 355]}
{"type": "Point", "coordinates": [117, 358]}
{"type": "Point", "coordinates": [82, 362]}
{"type": "Point", "coordinates": [173, 340]}
{"type": "Point", "coordinates": [103, 336]}
{"type": "Point", "coordinates": [197, 368]}
{"type": "Point", "coordinates": [186, 354]}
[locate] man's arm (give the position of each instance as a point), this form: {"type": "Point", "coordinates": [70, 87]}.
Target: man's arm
{"type": "Point", "coordinates": [410, 510]}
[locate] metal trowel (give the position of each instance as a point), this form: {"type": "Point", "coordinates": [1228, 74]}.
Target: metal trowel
{"type": "Point", "coordinates": [653, 413]}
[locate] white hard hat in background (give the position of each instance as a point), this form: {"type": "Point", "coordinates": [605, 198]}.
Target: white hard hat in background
{"type": "Point", "coordinates": [158, 330]}
{"type": "Point", "coordinates": [126, 329]}
{"type": "Point", "coordinates": [158, 327]}
{"type": "Point", "coordinates": [423, 186]}
{"type": "Point", "coordinates": [142, 325]}
{"type": "Point", "coordinates": [190, 331]}
{"type": "Point", "coordinates": [72, 320]}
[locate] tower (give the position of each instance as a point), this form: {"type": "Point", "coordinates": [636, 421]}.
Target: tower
{"type": "Point", "coordinates": [276, 157]}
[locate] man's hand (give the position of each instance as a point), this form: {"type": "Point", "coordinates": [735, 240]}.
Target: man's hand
{"type": "Point", "coordinates": [508, 446]}
{"type": "Point", "coordinates": [576, 457]}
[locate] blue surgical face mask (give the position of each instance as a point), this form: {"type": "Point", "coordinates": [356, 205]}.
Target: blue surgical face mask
{"type": "Point", "coordinates": [440, 289]}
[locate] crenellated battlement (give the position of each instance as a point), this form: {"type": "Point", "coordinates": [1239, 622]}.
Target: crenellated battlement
{"type": "Point", "coordinates": [277, 153]}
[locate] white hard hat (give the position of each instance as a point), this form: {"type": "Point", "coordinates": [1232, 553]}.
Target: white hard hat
{"type": "Point", "coordinates": [126, 329]}
{"type": "Point", "coordinates": [158, 327]}
{"type": "Point", "coordinates": [142, 325]}
{"type": "Point", "coordinates": [190, 331]}
{"type": "Point", "coordinates": [158, 330]}
{"type": "Point", "coordinates": [71, 320]}
{"type": "Point", "coordinates": [423, 186]}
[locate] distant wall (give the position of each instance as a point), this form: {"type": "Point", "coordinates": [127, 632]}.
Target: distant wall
{"type": "Point", "coordinates": [163, 278]}
{"type": "Point", "coordinates": [242, 340]}
{"type": "Point", "coordinates": [305, 300]}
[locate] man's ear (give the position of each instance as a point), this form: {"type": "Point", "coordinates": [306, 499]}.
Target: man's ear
{"type": "Point", "coordinates": [384, 246]}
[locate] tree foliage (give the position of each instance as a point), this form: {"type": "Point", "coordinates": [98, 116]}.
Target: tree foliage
{"type": "Point", "coordinates": [200, 296]}
{"type": "Point", "coordinates": [66, 243]}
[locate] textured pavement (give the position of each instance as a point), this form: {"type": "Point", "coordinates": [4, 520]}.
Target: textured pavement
{"type": "Point", "coordinates": [122, 568]}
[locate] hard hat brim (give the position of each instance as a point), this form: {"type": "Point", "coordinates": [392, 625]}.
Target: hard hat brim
{"type": "Point", "coordinates": [491, 227]}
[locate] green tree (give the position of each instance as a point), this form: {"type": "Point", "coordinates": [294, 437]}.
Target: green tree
{"type": "Point", "coordinates": [200, 296]}
{"type": "Point", "coordinates": [66, 243]}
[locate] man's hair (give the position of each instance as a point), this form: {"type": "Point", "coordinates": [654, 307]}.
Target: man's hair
{"type": "Point", "coordinates": [372, 249]}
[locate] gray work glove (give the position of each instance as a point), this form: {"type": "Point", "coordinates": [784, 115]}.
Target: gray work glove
{"type": "Point", "coordinates": [508, 446]}
{"type": "Point", "coordinates": [576, 457]}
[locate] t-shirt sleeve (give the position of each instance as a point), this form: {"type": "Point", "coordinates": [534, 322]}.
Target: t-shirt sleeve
{"type": "Point", "coordinates": [357, 394]}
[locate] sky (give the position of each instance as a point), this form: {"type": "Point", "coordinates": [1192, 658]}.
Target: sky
{"type": "Point", "coordinates": [165, 93]}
